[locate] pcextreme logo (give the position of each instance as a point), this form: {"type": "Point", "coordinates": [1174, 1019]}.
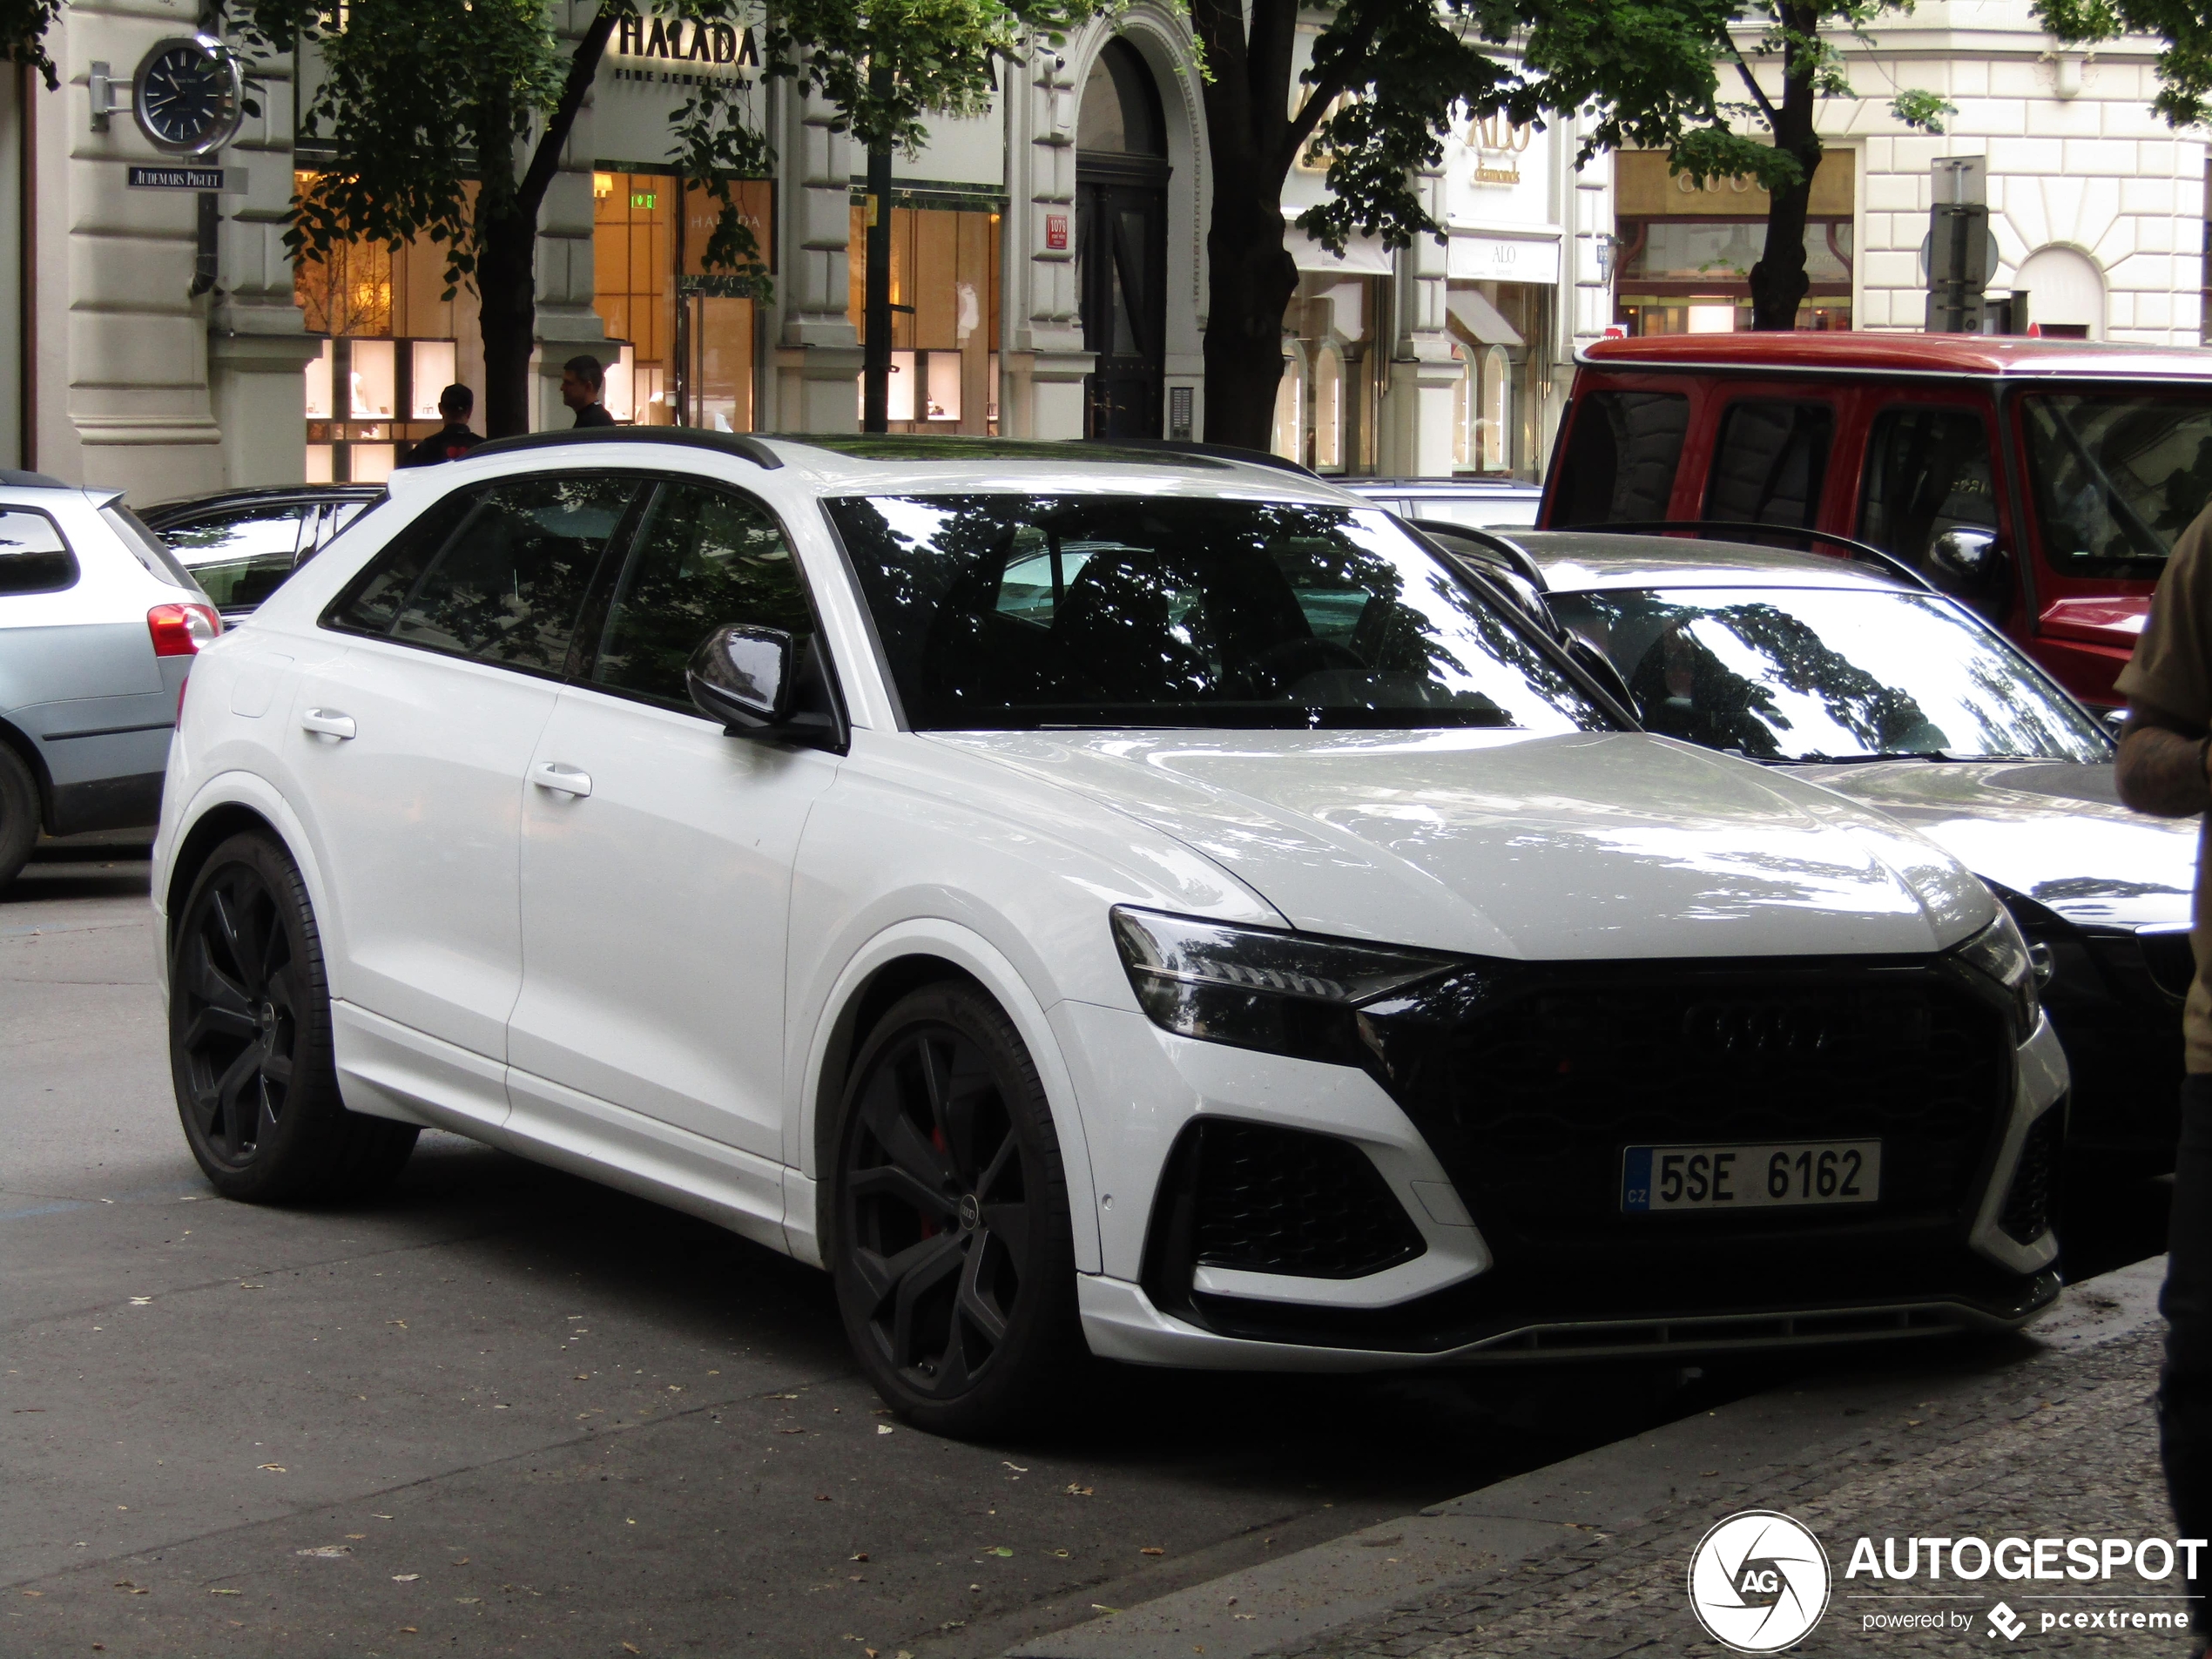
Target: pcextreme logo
{"type": "Point", "coordinates": [1758, 1581]}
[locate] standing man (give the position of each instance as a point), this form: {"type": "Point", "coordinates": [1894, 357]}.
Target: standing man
{"type": "Point", "coordinates": [2163, 770]}
{"type": "Point", "coordinates": [583, 384]}
{"type": "Point", "coordinates": [453, 440]}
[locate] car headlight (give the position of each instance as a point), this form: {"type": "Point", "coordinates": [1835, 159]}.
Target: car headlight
{"type": "Point", "coordinates": [1998, 952]}
{"type": "Point", "coordinates": [1254, 987]}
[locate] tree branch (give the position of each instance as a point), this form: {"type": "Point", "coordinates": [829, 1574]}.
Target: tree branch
{"type": "Point", "coordinates": [583, 69]}
{"type": "Point", "coordinates": [1332, 85]}
{"type": "Point", "coordinates": [1758, 93]}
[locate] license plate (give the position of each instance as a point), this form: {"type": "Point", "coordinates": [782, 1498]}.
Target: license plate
{"type": "Point", "coordinates": [1779, 1175]}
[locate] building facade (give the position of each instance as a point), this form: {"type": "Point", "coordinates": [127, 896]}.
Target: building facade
{"type": "Point", "coordinates": [1049, 260]}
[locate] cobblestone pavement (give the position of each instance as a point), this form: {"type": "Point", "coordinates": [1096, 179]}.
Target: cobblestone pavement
{"type": "Point", "coordinates": [2062, 1446]}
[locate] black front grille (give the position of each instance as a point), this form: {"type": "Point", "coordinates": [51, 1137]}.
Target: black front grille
{"type": "Point", "coordinates": [1543, 1090]}
{"type": "Point", "coordinates": [1271, 1200]}
{"type": "Point", "coordinates": [2026, 1213]}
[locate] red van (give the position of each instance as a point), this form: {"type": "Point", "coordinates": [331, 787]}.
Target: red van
{"type": "Point", "coordinates": [2041, 480]}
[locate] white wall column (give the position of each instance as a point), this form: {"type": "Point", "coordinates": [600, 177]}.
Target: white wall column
{"type": "Point", "coordinates": [1043, 362]}
{"type": "Point", "coordinates": [1416, 434]}
{"type": "Point", "coordinates": [819, 358]}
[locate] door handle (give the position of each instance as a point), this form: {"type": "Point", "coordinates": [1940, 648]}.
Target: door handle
{"type": "Point", "coordinates": [329, 722]}
{"type": "Point", "coordinates": [566, 780]}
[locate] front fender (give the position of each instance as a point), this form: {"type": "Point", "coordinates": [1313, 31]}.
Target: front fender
{"type": "Point", "coordinates": [974, 954]}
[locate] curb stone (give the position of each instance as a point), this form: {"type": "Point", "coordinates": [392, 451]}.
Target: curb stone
{"type": "Point", "coordinates": [1417, 1585]}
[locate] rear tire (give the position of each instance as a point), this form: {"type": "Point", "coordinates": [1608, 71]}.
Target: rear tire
{"type": "Point", "coordinates": [19, 813]}
{"type": "Point", "coordinates": [951, 1249]}
{"type": "Point", "coordinates": [250, 1044]}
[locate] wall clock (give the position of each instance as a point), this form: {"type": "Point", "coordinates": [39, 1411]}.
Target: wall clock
{"type": "Point", "coordinates": [188, 95]}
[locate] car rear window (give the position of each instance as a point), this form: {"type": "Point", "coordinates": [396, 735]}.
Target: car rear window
{"type": "Point", "coordinates": [33, 556]}
{"type": "Point", "coordinates": [1622, 452]}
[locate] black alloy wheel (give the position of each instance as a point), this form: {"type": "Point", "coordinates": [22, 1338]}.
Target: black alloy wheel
{"type": "Point", "coordinates": [953, 1259]}
{"type": "Point", "coordinates": [250, 1044]}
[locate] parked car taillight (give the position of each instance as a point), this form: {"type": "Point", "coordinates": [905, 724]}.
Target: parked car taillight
{"type": "Point", "coordinates": [180, 631]}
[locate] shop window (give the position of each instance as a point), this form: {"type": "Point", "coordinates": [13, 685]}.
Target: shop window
{"type": "Point", "coordinates": [1769, 461]}
{"type": "Point", "coordinates": [1623, 450]}
{"type": "Point", "coordinates": [1289, 409]}
{"type": "Point", "coordinates": [1492, 426]}
{"type": "Point", "coordinates": [1463, 447]}
{"type": "Point", "coordinates": [683, 341]}
{"type": "Point", "coordinates": [1692, 275]}
{"type": "Point", "coordinates": [395, 343]}
{"type": "Point", "coordinates": [1328, 409]}
{"type": "Point", "coordinates": [944, 316]}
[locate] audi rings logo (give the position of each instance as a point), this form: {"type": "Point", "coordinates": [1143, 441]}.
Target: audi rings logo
{"type": "Point", "coordinates": [1758, 1581]}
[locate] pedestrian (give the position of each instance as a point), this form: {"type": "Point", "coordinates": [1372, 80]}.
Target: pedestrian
{"type": "Point", "coordinates": [453, 439]}
{"type": "Point", "coordinates": [583, 384]}
{"type": "Point", "coordinates": [2164, 750]}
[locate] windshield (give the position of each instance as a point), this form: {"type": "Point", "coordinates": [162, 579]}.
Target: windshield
{"type": "Point", "coordinates": [2117, 477]}
{"type": "Point", "coordinates": [1828, 674]}
{"type": "Point", "coordinates": [1013, 612]}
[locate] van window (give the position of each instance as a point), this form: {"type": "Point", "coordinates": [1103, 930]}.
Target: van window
{"type": "Point", "coordinates": [1622, 452]}
{"type": "Point", "coordinates": [1768, 463]}
{"type": "Point", "coordinates": [1927, 470]}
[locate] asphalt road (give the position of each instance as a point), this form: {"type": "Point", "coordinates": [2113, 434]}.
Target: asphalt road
{"type": "Point", "coordinates": [507, 1412]}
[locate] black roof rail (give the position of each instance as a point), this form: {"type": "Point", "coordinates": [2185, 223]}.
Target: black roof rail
{"type": "Point", "coordinates": [1731, 530]}
{"type": "Point", "coordinates": [1212, 451]}
{"type": "Point", "coordinates": [1509, 553]}
{"type": "Point", "coordinates": [729, 443]}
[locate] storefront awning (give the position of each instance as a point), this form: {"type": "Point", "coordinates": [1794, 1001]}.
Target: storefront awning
{"type": "Point", "coordinates": [1480, 317]}
{"type": "Point", "coordinates": [1363, 255]}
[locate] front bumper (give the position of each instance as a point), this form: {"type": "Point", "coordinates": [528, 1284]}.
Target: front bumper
{"type": "Point", "coordinates": [1609, 1288]}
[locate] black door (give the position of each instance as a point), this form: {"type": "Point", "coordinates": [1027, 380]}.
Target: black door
{"type": "Point", "coordinates": [1120, 259]}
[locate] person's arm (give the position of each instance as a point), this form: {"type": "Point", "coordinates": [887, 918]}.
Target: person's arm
{"type": "Point", "coordinates": [2162, 766]}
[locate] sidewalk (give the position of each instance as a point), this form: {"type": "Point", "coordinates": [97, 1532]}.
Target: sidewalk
{"type": "Point", "coordinates": [2052, 1436]}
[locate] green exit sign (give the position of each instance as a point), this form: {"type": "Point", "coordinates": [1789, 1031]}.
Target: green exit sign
{"type": "Point", "coordinates": [646, 199]}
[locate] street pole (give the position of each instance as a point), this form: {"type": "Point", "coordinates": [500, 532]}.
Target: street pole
{"type": "Point", "coordinates": [875, 375]}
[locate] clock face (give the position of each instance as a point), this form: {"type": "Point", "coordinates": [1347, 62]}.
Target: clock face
{"type": "Point", "coordinates": [186, 96]}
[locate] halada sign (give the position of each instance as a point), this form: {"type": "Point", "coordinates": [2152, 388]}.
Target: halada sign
{"type": "Point", "coordinates": [673, 41]}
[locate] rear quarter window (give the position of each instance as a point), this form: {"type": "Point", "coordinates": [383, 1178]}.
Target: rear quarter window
{"type": "Point", "coordinates": [1623, 452]}
{"type": "Point", "coordinates": [34, 558]}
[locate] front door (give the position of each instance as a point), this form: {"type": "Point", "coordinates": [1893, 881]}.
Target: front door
{"type": "Point", "coordinates": [656, 865]}
{"type": "Point", "coordinates": [1121, 255]}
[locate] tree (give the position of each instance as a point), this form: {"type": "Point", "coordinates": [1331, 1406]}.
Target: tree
{"type": "Point", "coordinates": [445, 121]}
{"type": "Point", "coordinates": [2184, 68]}
{"type": "Point", "coordinates": [1386, 80]}
{"type": "Point", "coordinates": [1653, 73]}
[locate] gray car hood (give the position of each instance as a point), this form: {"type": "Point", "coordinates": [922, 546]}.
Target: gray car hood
{"type": "Point", "coordinates": [1587, 845]}
{"type": "Point", "coordinates": [2056, 831]}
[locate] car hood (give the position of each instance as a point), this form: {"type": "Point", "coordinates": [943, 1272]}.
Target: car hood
{"type": "Point", "coordinates": [2100, 619]}
{"type": "Point", "coordinates": [1587, 845]}
{"type": "Point", "coordinates": [2054, 832]}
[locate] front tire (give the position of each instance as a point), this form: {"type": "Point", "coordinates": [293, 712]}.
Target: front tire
{"type": "Point", "coordinates": [250, 1044]}
{"type": "Point", "coordinates": [19, 813]}
{"type": "Point", "coordinates": [952, 1252]}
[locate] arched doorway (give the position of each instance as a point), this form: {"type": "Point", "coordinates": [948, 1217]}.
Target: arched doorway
{"type": "Point", "coordinates": [2066, 294]}
{"type": "Point", "coordinates": [1121, 244]}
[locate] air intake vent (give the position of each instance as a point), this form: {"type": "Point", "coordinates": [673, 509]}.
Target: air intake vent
{"type": "Point", "coordinates": [2026, 1215]}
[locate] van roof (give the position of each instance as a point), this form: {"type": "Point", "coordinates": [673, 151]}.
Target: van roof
{"type": "Point", "coordinates": [1887, 354]}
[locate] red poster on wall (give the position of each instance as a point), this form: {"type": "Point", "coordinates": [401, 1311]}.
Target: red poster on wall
{"type": "Point", "coordinates": [1056, 233]}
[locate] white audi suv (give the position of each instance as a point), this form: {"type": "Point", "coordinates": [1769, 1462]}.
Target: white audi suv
{"type": "Point", "coordinates": [1083, 899]}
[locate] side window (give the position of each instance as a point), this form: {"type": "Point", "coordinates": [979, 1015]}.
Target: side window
{"type": "Point", "coordinates": [239, 557]}
{"type": "Point", "coordinates": [33, 556]}
{"type": "Point", "coordinates": [1621, 455]}
{"type": "Point", "coordinates": [498, 573]}
{"type": "Point", "coordinates": [1927, 470]}
{"type": "Point", "coordinates": [1768, 463]}
{"type": "Point", "coordinates": [703, 558]}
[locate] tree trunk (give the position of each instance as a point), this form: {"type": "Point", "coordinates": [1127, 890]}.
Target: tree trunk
{"type": "Point", "coordinates": [1251, 279]}
{"type": "Point", "coordinates": [1778, 280]}
{"type": "Point", "coordinates": [507, 290]}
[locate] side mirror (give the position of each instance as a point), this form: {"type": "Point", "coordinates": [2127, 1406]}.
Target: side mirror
{"type": "Point", "coordinates": [1969, 554]}
{"type": "Point", "coordinates": [743, 676]}
{"type": "Point", "coordinates": [2115, 723]}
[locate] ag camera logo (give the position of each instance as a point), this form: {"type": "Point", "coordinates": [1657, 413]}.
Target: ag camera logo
{"type": "Point", "coordinates": [1758, 1581]}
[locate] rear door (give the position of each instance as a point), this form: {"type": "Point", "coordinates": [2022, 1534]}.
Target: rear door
{"type": "Point", "coordinates": [410, 744]}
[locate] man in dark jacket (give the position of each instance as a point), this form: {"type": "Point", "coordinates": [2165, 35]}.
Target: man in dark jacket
{"type": "Point", "coordinates": [453, 440]}
{"type": "Point", "coordinates": [583, 384]}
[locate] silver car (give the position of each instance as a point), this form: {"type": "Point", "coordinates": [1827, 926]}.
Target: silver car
{"type": "Point", "coordinates": [98, 627]}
